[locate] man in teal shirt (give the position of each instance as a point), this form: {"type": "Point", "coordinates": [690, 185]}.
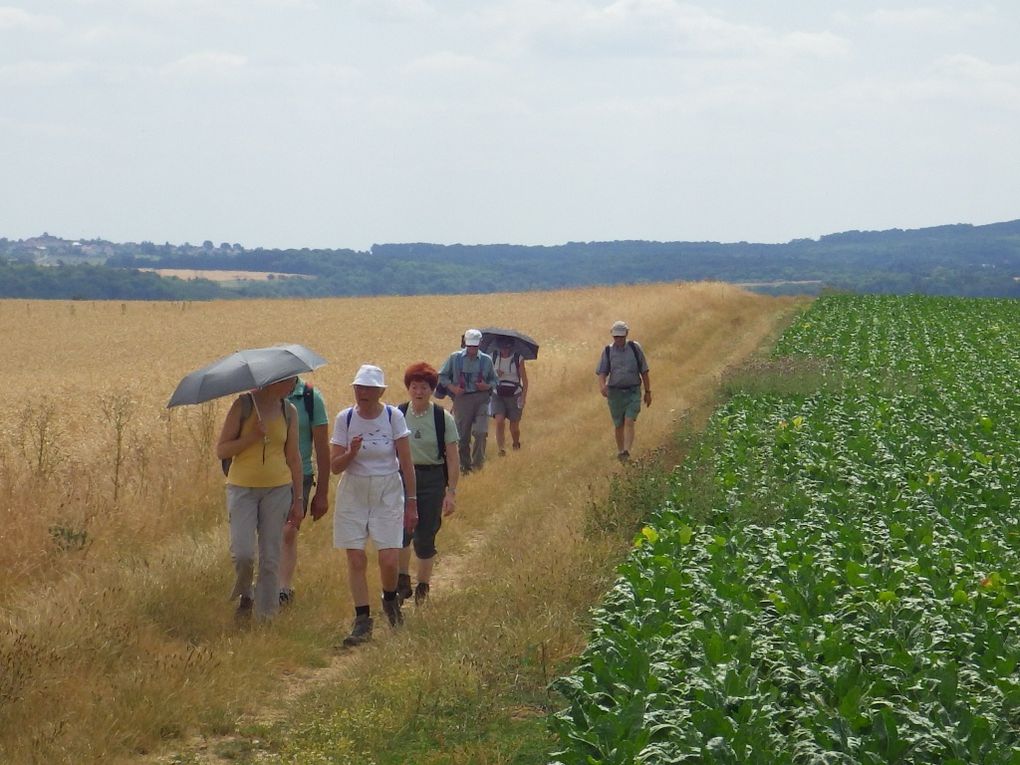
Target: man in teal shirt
{"type": "Point", "coordinates": [313, 436]}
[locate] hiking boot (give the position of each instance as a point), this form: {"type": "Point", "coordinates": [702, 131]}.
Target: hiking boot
{"type": "Point", "coordinates": [502, 452]}
{"type": "Point", "coordinates": [421, 593]}
{"type": "Point", "coordinates": [286, 596]}
{"type": "Point", "coordinates": [623, 456]}
{"type": "Point", "coordinates": [392, 610]}
{"type": "Point", "coordinates": [404, 591]}
{"type": "Point", "coordinates": [361, 632]}
{"type": "Point", "coordinates": [517, 447]}
{"type": "Point", "coordinates": [244, 610]}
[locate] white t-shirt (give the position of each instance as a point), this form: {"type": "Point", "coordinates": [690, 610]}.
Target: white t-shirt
{"type": "Point", "coordinates": [378, 455]}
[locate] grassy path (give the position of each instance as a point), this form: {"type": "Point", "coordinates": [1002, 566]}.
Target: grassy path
{"type": "Point", "coordinates": [465, 680]}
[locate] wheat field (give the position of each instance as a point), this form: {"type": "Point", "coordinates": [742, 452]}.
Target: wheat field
{"type": "Point", "coordinates": [116, 638]}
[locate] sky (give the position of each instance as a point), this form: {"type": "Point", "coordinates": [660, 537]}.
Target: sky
{"type": "Point", "coordinates": [344, 123]}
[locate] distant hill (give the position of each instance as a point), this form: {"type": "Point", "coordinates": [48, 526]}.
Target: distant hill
{"type": "Point", "coordinates": [959, 259]}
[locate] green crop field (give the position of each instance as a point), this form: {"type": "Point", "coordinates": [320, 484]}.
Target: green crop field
{"type": "Point", "coordinates": [835, 579]}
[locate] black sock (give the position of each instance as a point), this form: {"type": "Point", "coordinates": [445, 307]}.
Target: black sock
{"type": "Point", "coordinates": [361, 611]}
{"type": "Point", "coordinates": [389, 595]}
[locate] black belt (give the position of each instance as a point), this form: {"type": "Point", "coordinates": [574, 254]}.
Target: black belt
{"type": "Point", "coordinates": [428, 467]}
{"type": "Point", "coordinates": [624, 387]}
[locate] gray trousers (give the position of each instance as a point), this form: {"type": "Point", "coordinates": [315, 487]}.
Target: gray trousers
{"type": "Point", "coordinates": [257, 516]}
{"type": "Point", "coordinates": [471, 413]}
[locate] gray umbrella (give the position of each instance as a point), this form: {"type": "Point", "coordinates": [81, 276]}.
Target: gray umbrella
{"type": "Point", "coordinates": [245, 370]}
{"type": "Point", "coordinates": [523, 345]}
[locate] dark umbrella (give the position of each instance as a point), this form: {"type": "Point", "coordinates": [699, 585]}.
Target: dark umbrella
{"type": "Point", "coordinates": [523, 345]}
{"type": "Point", "coordinates": [245, 370]}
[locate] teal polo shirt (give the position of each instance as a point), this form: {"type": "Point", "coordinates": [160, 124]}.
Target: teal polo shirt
{"type": "Point", "coordinates": [305, 425]}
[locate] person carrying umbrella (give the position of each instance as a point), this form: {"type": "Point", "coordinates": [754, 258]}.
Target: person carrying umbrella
{"type": "Point", "coordinates": [264, 490]}
{"type": "Point", "coordinates": [370, 447]}
{"type": "Point", "coordinates": [469, 376]}
{"type": "Point", "coordinates": [510, 395]}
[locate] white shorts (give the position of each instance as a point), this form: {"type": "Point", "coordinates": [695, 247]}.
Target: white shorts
{"type": "Point", "coordinates": [369, 506]}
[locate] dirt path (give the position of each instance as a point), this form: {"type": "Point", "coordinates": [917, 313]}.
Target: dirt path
{"type": "Point", "coordinates": [569, 447]}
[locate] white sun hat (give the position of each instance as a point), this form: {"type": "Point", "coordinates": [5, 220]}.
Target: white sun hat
{"type": "Point", "coordinates": [369, 376]}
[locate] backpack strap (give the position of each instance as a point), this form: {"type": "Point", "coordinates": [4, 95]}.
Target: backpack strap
{"type": "Point", "coordinates": [309, 400]}
{"type": "Point", "coordinates": [439, 419]}
{"type": "Point", "coordinates": [608, 358]}
{"type": "Point", "coordinates": [637, 356]}
{"type": "Point", "coordinates": [350, 414]}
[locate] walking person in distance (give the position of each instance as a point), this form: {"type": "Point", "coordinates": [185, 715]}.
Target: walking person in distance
{"type": "Point", "coordinates": [510, 394]}
{"type": "Point", "coordinates": [469, 376]}
{"type": "Point", "coordinates": [622, 370]}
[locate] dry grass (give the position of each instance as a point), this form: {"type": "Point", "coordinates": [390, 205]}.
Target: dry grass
{"type": "Point", "coordinates": [114, 631]}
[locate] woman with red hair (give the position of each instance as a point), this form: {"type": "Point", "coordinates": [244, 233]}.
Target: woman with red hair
{"type": "Point", "coordinates": [433, 442]}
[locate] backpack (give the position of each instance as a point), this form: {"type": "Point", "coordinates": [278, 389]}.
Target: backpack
{"type": "Point", "coordinates": [247, 404]}
{"type": "Point", "coordinates": [309, 402]}
{"type": "Point", "coordinates": [632, 346]}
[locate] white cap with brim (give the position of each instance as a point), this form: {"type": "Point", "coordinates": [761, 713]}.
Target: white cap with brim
{"type": "Point", "coordinates": [472, 337]}
{"type": "Point", "coordinates": [620, 329]}
{"type": "Point", "coordinates": [369, 376]}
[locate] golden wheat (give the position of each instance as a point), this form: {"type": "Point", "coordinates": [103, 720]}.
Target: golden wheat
{"type": "Point", "coordinates": [114, 630]}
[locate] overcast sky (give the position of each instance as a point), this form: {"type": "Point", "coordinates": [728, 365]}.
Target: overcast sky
{"type": "Point", "coordinates": [343, 123]}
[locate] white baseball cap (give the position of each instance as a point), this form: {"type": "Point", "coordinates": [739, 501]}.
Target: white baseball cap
{"type": "Point", "coordinates": [472, 337]}
{"type": "Point", "coordinates": [620, 329]}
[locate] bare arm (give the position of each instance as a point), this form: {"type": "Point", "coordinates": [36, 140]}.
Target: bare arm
{"type": "Point", "coordinates": [524, 382]}
{"type": "Point", "coordinates": [340, 457]}
{"type": "Point", "coordinates": [648, 388]}
{"type": "Point", "coordinates": [453, 469]}
{"type": "Point", "coordinates": [603, 389]}
{"type": "Point", "coordinates": [403, 446]}
{"type": "Point", "coordinates": [297, 477]}
{"type": "Point", "coordinates": [320, 443]}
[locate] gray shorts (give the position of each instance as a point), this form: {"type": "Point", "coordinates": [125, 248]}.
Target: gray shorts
{"type": "Point", "coordinates": [507, 406]}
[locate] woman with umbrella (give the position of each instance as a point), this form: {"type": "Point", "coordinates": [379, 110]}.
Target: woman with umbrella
{"type": "Point", "coordinates": [510, 395]}
{"type": "Point", "coordinates": [264, 487]}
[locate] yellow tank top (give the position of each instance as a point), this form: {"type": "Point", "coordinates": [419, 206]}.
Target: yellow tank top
{"type": "Point", "coordinates": [263, 464]}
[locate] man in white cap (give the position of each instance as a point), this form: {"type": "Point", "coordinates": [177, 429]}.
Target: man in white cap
{"type": "Point", "coordinates": [622, 369]}
{"type": "Point", "coordinates": [469, 377]}
{"type": "Point", "coordinates": [370, 447]}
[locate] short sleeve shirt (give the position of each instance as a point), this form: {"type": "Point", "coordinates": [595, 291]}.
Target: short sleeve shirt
{"type": "Point", "coordinates": [424, 449]}
{"type": "Point", "coordinates": [378, 453]}
{"type": "Point", "coordinates": [623, 365]}
{"type": "Point", "coordinates": [319, 417]}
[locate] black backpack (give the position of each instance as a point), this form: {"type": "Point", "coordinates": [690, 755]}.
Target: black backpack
{"type": "Point", "coordinates": [439, 418]}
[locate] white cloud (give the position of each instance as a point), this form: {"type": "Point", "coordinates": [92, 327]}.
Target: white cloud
{"type": "Point", "coordinates": [34, 73]}
{"type": "Point", "coordinates": [18, 18]}
{"type": "Point", "coordinates": [207, 64]}
{"type": "Point", "coordinates": [394, 10]}
{"type": "Point", "coordinates": [448, 62]}
{"type": "Point", "coordinates": [928, 19]}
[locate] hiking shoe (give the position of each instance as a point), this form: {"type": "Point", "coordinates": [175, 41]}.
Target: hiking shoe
{"type": "Point", "coordinates": [404, 591]}
{"type": "Point", "coordinates": [464, 470]}
{"type": "Point", "coordinates": [421, 593]}
{"type": "Point", "coordinates": [286, 596]}
{"type": "Point", "coordinates": [623, 456]}
{"type": "Point", "coordinates": [361, 632]}
{"type": "Point", "coordinates": [517, 447]}
{"type": "Point", "coordinates": [502, 452]}
{"type": "Point", "coordinates": [392, 610]}
{"type": "Point", "coordinates": [244, 609]}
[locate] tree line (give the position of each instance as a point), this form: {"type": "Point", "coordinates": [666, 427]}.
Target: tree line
{"type": "Point", "coordinates": [946, 260]}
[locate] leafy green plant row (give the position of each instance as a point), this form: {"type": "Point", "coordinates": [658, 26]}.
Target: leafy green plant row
{"type": "Point", "coordinates": [835, 576]}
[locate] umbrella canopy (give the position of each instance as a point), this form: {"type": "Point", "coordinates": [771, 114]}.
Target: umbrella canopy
{"type": "Point", "coordinates": [523, 345]}
{"type": "Point", "coordinates": [245, 370]}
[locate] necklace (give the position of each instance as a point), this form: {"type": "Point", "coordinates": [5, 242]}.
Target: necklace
{"type": "Point", "coordinates": [422, 413]}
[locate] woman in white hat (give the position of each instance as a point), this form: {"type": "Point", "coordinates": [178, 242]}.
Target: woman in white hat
{"type": "Point", "coordinates": [370, 447]}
